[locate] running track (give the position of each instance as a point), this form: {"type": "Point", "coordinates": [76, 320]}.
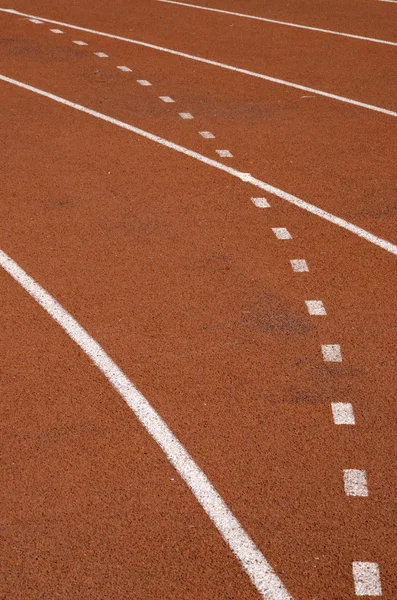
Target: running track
{"type": "Point", "coordinates": [186, 413]}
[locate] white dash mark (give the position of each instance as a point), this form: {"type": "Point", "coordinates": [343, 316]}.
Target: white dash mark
{"type": "Point", "coordinates": [260, 202]}
{"type": "Point", "coordinates": [125, 69]}
{"type": "Point", "coordinates": [224, 153]}
{"type": "Point", "coordinates": [342, 413]}
{"type": "Point", "coordinates": [331, 352]}
{"type": "Point", "coordinates": [355, 482]}
{"type": "Point", "coordinates": [299, 266]}
{"type": "Point", "coordinates": [56, 30]}
{"type": "Point", "coordinates": [186, 116]}
{"type": "Point", "coordinates": [80, 43]}
{"type": "Point", "coordinates": [143, 82]}
{"type": "Point", "coordinates": [315, 307]}
{"type": "Point", "coordinates": [166, 99]}
{"type": "Point", "coordinates": [366, 579]}
{"type": "Point", "coordinates": [101, 54]}
{"type": "Point", "coordinates": [207, 135]}
{"type": "Point", "coordinates": [282, 233]}
{"type": "Point", "coordinates": [36, 21]}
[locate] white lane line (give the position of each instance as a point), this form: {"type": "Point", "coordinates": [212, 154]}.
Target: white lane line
{"type": "Point", "coordinates": [299, 265]}
{"type": "Point", "coordinates": [80, 43]}
{"type": "Point", "coordinates": [315, 307]}
{"type": "Point", "coordinates": [282, 233]}
{"type": "Point", "coordinates": [224, 153]}
{"type": "Point", "coordinates": [166, 99]}
{"type": "Point", "coordinates": [260, 202]}
{"type": "Point", "coordinates": [366, 578]}
{"type": "Point", "coordinates": [355, 482]}
{"type": "Point", "coordinates": [246, 177]}
{"type": "Point", "coordinates": [56, 30]}
{"type": "Point", "coordinates": [215, 63]}
{"type": "Point", "coordinates": [342, 413]}
{"type": "Point", "coordinates": [35, 21]}
{"type": "Point", "coordinates": [186, 116]}
{"type": "Point", "coordinates": [258, 569]}
{"type": "Point", "coordinates": [286, 23]}
{"type": "Point", "coordinates": [207, 135]}
{"type": "Point", "coordinates": [331, 352]}
{"type": "Point", "coordinates": [143, 82]}
{"type": "Point", "coordinates": [391, 1]}
{"type": "Point", "coordinates": [101, 54]}
{"type": "Point", "coordinates": [124, 69]}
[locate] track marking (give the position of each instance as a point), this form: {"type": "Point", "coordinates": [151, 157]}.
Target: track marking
{"type": "Point", "coordinates": [366, 578]}
{"type": "Point", "coordinates": [35, 21]}
{"type": "Point", "coordinates": [260, 202]}
{"type": "Point", "coordinates": [80, 43]}
{"type": "Point", "coordinates": [56, 30]}
{"type": "Point", "coordinates": [286, 23]}
{"type": "Point", "coordinates": [245, 177]}
{"type": "Point", "coordinates": [299, 265]}
{"type": "Point", "coordinates": [355, 482]}
{"type": "Point", "coordinates": [258, 569]}
{"type": "Point", "coordinates": [282, 233]}
{"type": "Point", "coordinates": [166, 99]}
{"type": "Point", "coordinates": [391, 1]}
{"type": "Point", "coordinates": [143, 82]}
{"type": "Point", "coordinates": [186, 116]}
{"type": "Point", "coordinates": [207, 135]}
{"type": "Point", "coordinates": [224, 153]}
{"type": "Point", "coordinates": [331, 352]}
{"type": "Point", "coordinates": [215, 63]}
{"type": "Point", "coordinates": [315, 307]}
{"type": "Point", "coordinates": [124, 69]}
{"type": "Point", "coordinates": [342, 413]}
{"type": "Point", "coordinates": [101, 54]}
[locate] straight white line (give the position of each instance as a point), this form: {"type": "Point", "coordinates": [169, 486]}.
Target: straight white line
{"type": "Point", "coordinates": [286, 23]}
{"type": "Point", "coordinates": [101, 54]}
{"type": "Point", "coordinates": [80, 43]}
{"type": "Point", "coordinates": [246, 177]}
{"type": "Point", "coordinates": [331, 352]}
{"type": "Point", "coordinates": [143, 82]}
{"type": "Point", "coordinates": [315, 307]}
{"type": "Point", "coordinates": [391, 1]}
{"type": "Point", "coordinates": [355, 482]}
{"type": "Point", "coordinates": [366, 578]}
{"type": "Point", "coordinates": [258, 569]}
{"type": "Point", "coordinates": [207, 135]}
{"type": "Point", "coordinates": [299, 265]}
{"type": "Point", "coordinates": [260, 202]}
{"type": "Point", "coordinates": [282, 233]}
{"type": "Point", "coordinates": [342, 413]}
{"type": "Point", "coordinates": [186, 116]}
{"type": "Point", "coordinates": [214, 63]}
{"type": "Point", "coordinates": [124, 69]}
{"type": "Point", "coordinates": [35, 21]}
{"type": "Point", "coordinates": [166, 99]}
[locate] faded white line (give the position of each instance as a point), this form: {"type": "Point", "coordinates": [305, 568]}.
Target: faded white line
{"type": "Point", "coordinates": [224, 153]}
{"type": "Point", "coordinates": [299, 265]}
{"type": "Point", "coordinates": [282, 233]}
{"type": "Point", "coordinates": [80, 43]}
{"type": "Point", "coordinates": [391, 1]}
{"type": "Point", "coordinates": [101, 54]}
{"type": "Point", "coordinates": [207, 135]}
{"type": "Point", "coordinates": [260, 202]}
{"type": "Point", "coordinates": [56, 31]}
{"type": "Point", "coordinates": [366, 576]}
{"type": "Point", "coordinates": [35, 21]}
{"type": "Point", "coordinates": [331, 352]}
{"type": "Point", "coordinates": [355, 482]}
{"type": "Point", "coordinates": [143, 82]}
{"type": "Point", "coordinates": [185, 115]}
{"type": "Point", "coordinates": [342, 413]}
{"type": "Point", "coordinates": [315, 307]}
{"type": "Point", "coordinates": [258, 569]}
{"type": "Point", "coordinates": [166, 99]}
{"type": "Point", "coordinates": [124, 69]}
{"type": "Point", "coordinates": [215, 63]}
{"type": "Point", "coordinates": [286, 23]}
{"type": "Point", "coordinates": [246, 177]}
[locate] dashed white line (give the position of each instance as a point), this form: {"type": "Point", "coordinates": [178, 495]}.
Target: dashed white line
{"type": "Point", "coordinates": [56, 30]}
{"type": "Point", "coordinates": [124, 69]}
{"type": "Point", "coordinates": [185, 115]}
{"type": "Point", "coordinates": [299, 265]}
{"type": "Point", "coordinates": [143, 82]}
{"type": "Point", "coordinates": [366, 576]}
{"type": "Point", "coordinates": [315, 307]}
{"type": "Point", "coordinates": [342, 413]}
{"type": "Point", "coordinates": [80, 43]}
{"type": "Point", "coordinates": [101, 54]}
{"type": "Point", "coordinates": [224, 153]}
{"type": "Point", "coordinates": [355, 482]}
{"type": "Point", "coordinates": [166, 99]}
{"type": "Point", "coordinates": [207, 135]}
{"type": "Point", "coordinates": [282, 233]}
{"type": "Point", "coordinates": [331, 352]}
{"type": "Point", "coordinates": [260, 202]}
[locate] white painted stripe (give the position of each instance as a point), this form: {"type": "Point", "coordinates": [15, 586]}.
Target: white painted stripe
{"type": "Point", "coordinates": [207, 135]}
{"type": "Point", "coordinates": [35, 21]}
{"type": "Point", "coordinates": [101, 54]}
{"type": "Point", "coordinates": [331, 352]}
{"type": "Point", "coordinates": [143, 82]}
{"type": "Point", "coordinates": [246, 177]}
{"type": "Point", "coordinates": [253, 561]}
{"type": "Point", "coordinates": [56, 31]}
{"type": "Point", "coordinates": [260, 202]}
{"type": "Point", "coordinates": [343, 413]}
{"type": "Point", "coordinates": [315, 307]}
{"type": "Point", "coordinates": [299, 265]}
{"type": "Point", "coordinates": [355, 482]}
{"type": "Point", "coordinates": [124, 69]}
{"type": "Point", "coordinates": [366, 578]}
{"type": "Point", "coordinates": [215, 63]}
{"type": "Point", "coordinates": [391, 1]}
{"type": "Point", "coordinates": [186, 116]}
{"type": "Point", "coordinates": [282, 233]}
{"type": "Point", "coordinates": [166, 99]}
{"type": "Point", "coordinates": [224, 153]}
{"type": "Point", "coordinates": [80, 43]}
{"type": "Point", "coordinates": [286, 23]}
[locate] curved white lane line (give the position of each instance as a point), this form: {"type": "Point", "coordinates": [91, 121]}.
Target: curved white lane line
{"type": "Point", "coordinates": [215, 63]}
{"type": "Point", "coordinates": [245, 15]}
{"type": "Point", "coordinates": [256, 566]}
{"type": "Point", "coordinates": [246, 177]}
